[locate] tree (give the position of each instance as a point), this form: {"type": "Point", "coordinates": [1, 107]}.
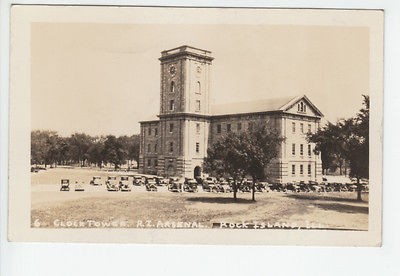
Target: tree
{"type": "Point", "coordinates": [261, 147]}
{"type": "Point", "coordinates": [227, 157]}
{"type": "Point", "coordinates": [45, 147]}
{"type": "Point", "coordinates": [95, 152]}
{"type": "Point", "coordinates": [79, 144]}
{"type": "Point", "coordinates": [357, 131]}
{"type": "Point", "coordinates": [246, 153]}
{"type": "Point", "coordinates": [113, 151]}
{"type": "Point", "coordinates": [347, 140]}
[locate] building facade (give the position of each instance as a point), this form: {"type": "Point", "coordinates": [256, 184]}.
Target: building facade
{"type": "Point", "coordinates": [176, 142]}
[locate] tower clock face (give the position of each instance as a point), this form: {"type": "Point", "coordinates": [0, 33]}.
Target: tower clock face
{"type": "Point", "coordinates": [172, 70]}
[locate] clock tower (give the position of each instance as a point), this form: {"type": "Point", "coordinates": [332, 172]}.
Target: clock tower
{"type": "Point", "coordinates": [184, 110]}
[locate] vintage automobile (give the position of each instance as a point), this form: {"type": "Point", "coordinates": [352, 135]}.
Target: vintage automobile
{"type": "Point", "coordinates": [210, 184]}
{"type": "Point", "coordinates": [224, 186]}
{"type": "Point", "coordinates": [190, 185]}
{"type": "Point", "coordinates": [161, 181]}
{"type": "Point", "coordinates": [96, 181]}
{"type": "Point", "coordinates": [151, 184]}
{"type": "Point", "coordinates": [124, 184]}
{"type": "Point", "coordinates": [112, 184]}
{"type": "Point", "coordinates": [175, 185]}
{"type": "Point", "coordinates": [245, 187]}
{"type": "Point", "coordinates": [64, 185]}
{"type": "Point", "coordinates": [79, 187]}
{"type": "Point", "coordinates": [138, 180]}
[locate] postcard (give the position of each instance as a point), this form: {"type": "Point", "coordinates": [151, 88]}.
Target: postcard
{"type": "Point", "coordinates": [196, 125]}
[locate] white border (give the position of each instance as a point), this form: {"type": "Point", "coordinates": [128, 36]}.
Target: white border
{"type": "Point", "coordinates": [83, 259]}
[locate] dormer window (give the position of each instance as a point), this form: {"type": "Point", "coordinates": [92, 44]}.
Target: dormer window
{"type": "Point", "coordinates": [301, 107]}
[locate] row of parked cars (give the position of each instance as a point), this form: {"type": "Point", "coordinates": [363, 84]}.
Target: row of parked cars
{"type": "Point", "coordinates": [209, 184]}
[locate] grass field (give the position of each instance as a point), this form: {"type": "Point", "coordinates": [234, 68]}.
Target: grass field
{"type": "Point", "coordinates": [96, 207]}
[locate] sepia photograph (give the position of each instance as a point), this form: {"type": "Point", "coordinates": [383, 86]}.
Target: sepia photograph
{"type": "Point", "coordinates": [195, 125]}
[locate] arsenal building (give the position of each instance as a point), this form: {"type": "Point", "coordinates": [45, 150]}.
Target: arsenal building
{"type": "Point", "coordinates": [176, 141]}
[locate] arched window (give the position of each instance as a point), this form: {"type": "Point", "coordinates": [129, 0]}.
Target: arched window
{"type": "Point", "coordinates": [198, 88]}
{"type": "Point", "coordinates": [172, 87]}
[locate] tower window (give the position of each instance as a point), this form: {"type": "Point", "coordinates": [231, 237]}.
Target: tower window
{"type": "Point", "coordinates": [155, 148]}
{"type": "Point", "coordinates": [148, 162]}
{"type": "Point", "coordinates": [197, 147]}
{"type": "Point", "coordinates": [156, 131]}
{"type": "Point", "coordinates": [155, 163]}
{"type": "Point", "coordinates": [293, 149]}
{"type": "Point", "coordinates": [172, 87]}
{"type": "Point", "coordinates": [219, 128]}
{"type": "Point", "coordinates": [171, 146]}
{"type": "Point", "coordinates": [171, 105]}
{"type": "Point", "coordinates": [239, 126]}
{"type": "Point", "coordinates": [197, 105]}
{"type": "Point", "coordinates": [198, 88]}
{"type": "Point", "coordinates": [171, 127]}
{"type": "Point", "coordinates": [197, 127]}
{"type": "Point", "coordinates": [228, 127]}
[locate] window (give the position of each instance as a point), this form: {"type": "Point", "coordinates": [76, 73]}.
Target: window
{"type": "Point", "coordinates": [309, 150]}
{"type": "Point", "coordinates": [148, 162]}
{"type": "Point", "coordinates": [198, 128]}
{"type": "Point", "coordinates": [171, 146]}
{"type": "Point", "coordinates": [309, 128]}
{"type": "Point", "coordinates": [309, 169]}
{"type": "Point", "coordinates": [293, 149]}
{"type": "Point", "coordinates": [155, 163]}
{"type": "Point", "coordinates": [228, 127]}
{"type": "Point", "coordinates": [239, 126]}
{"type": "Point", "coordinates": [148, 148]}
{"type": "Point", "coordinates": [301, 169]}
{"type": "Point", "coordinates": [219, 128]}
{"type": "Point", "coordinates": [198, 88]}
{"type": "Point", "coordinates": [155, 131]}
{"type": "Point", "coordinates": [149, 131]}
{"type": "Point", "coordinates": [172, 87]}
{"type": "Point", "coordinates": [197, 105]}
{"type": "Point", "coordinates": [197, 147]}
{"type": "Point", "coordinates": [301, 107]}
{"type": "Point", "coordinates": [250, 126]}
{"type": "Point", "coordinates": [171, 127]}
{"type": "Point", "coordinates": [155, 148]}
{"type": "Point", "coordinates": [171, 105]}
{"type": "Point", "coordinates": [293, 127]}
{"type": "Point", "coordinates": [302, 127]}
{"type": "Point", "coordinates": [301, 149]}
{"type": "Point", "coordinates": [293, 169]}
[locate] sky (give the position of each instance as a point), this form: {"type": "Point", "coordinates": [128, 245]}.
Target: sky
{"type": "Point", "coordinates": [104, 78]}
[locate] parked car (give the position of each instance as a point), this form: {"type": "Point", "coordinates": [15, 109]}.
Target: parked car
{"type": "Point", "coordinates": [138, 180]}
{"type": "Point", "coordinates": [96, 181]}
{"type": "Point", "coordinates": [79, 187]}
{"type": "Point", "coordinates": [224, 186]}
{"type": "Point", "coordinates": [124, 184]}
{"type": "Point", "coordinates": [160, 181]}
{"type": "Point", "coordinates": [210, 184]}
{"type": "Point", "coordinates": [190, 185]}
{"type": "Point", "coordinates": [151, 184]}
{"type": "Point", "coordinates": [174, 185]}
{"type": "Point", "coordinates": [245, 187]}
{"type": "Point", "coordinates": [64, 185]}
{"type": "Point", "coordinates": [112, 184]}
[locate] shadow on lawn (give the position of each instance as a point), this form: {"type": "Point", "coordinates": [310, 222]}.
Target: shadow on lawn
{"type": "Point", "coordinates": [325, 198]}
{"type": "Point", "coordinates": [222, 200]}
{"type": "Point", "coordinates": [343, 208]}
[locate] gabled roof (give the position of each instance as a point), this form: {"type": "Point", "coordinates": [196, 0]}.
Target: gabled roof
{"type": "Point", "coordinates": [267, 105]}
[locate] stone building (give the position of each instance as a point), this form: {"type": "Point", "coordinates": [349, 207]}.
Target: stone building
{"type": "Point", "coordinates": [175, 143]}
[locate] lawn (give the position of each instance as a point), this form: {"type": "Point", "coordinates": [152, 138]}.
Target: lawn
{"type": "Point", "coordinates": [96, 207]}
